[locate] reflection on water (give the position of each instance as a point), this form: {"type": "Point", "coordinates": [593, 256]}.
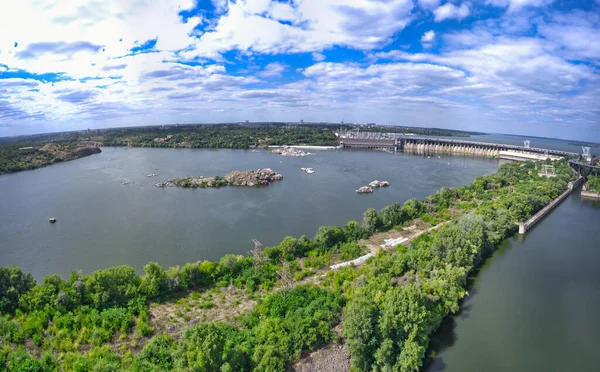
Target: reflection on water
{"type": "Point", "coordinates": [102, 222]}
{"type": "Point", "coordinates": [534, 304]}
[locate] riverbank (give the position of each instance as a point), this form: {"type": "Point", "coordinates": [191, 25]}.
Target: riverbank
{"type": "Point", "coordinates": [527, 225]}
{"type": "Point", "coordinates": [16, 158]}
{"type": "Point", "coordinates": [427, 276]}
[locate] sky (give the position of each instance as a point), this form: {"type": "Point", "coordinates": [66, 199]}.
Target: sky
{"type": "Point", "coordinates": [527, 67]}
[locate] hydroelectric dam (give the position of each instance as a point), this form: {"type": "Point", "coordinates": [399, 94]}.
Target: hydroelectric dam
{"type": "Point", "coordinates": [430, 145]}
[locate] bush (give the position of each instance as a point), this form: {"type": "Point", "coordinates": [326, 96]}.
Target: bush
{"type": "Point", "coordinates": [349, 251]}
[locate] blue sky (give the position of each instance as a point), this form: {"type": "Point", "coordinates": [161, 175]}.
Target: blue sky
{"type": "Point", "coordinates": [512, 66]}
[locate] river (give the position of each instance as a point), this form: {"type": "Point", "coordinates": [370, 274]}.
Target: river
{"type": "Point", "coordinates": [103, 223]}
{"type": "Point", "coordinates": [534, 305]}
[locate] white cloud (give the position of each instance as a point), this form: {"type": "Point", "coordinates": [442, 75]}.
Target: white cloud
{"type": "Point", "coordinates": [92, 23]}
{"type": "Point", "coordinates": [429, 4]}
{"type": "Point", "coordinates": [517, 5]}
{"type": "Point", "coordinates": [310, 26]}
{"type": "Point", "coordinates": [486, 73]}
{"type": "Point", "coordinates": [273, 70]}
{"type": "Point", "coordinates": [451, 11]}
{"type": "Point", "coordinates": [320, 56]}
{"type": "Point", "coordinates": [427, 38]}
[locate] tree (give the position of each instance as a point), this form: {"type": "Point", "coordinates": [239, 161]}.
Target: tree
{"type": "Point", "coordinates": [113, 287]}
{"type": "Point", "coordinates": [154, 283]}
{"type": "Point", "coordinates": [371, 221]}
{"type": "Point", "coordinates": [13, 284]}
{"type": "Point", "coordinates": [328, 237]}
{"type": "Point", "coordinates": [360, 331]}
{"type": "Point", "coordinates": [353, 231]}
{"type": "Point", "coordinates": [392, 215]}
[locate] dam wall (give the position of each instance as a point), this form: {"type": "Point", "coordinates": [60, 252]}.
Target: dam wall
{"type": "Point", "coordinates": [456, 149]}
{"type": "Point", "coordinates": [527, 225]}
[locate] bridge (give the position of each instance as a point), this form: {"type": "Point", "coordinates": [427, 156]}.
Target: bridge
{"type": "Point", "coordinates": [426, 144]}
{"type": "Point", "coordinates": [584, 169]}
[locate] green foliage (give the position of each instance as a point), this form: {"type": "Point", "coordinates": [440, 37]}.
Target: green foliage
{"type": "Point", "coordinates": [115, 286]}
{"type": "Point", "coordinates": [353, 231]}
{"type": "Point", "coordinates": [154, 283]}
{"type": "Point", "coordinates": [213, 347]}
{"type": "Point", "coordinates": [13, 284]}
{"type": "Point", "coordinates": [594, 183]}
{"type": "Point", "coordinates": [21, 361]}
{"type": "Point", "coordinates": [350, 250]}
{"type": "Point", "coordinates": [371, 221]}
{"type": "Point", "coordinates": [157, 354]}
{"type": "Point", "coordinates": [392, 215]}
{"type": "Point", "coordinates": [328, 237]}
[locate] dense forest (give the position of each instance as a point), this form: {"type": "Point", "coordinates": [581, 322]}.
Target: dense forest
{"type": "Point", "coordinates": [25, 156]}
{"type": "Point", "coordinates": [386, 308]}
{"type": "Point", "coordinates": [231, 136]}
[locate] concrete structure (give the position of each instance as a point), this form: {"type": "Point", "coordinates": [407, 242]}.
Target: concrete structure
{"type": "Point", "coordinates": [584, 169]}
{"type": "Point", "coordinates": [356, 261]}
{"type": "Point", "coordinates": [526, 156]}
{"type": "Point", "coordinates": [590, 195]}
{"type": "Point", "coordinates": [472, 147]}
{"type": "Point", "coordinates": [425, 145]}
{"type": "Point", "coordinates": [527, 225]}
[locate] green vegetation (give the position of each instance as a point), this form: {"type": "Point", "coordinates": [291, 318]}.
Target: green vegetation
{"type": "Point", "coordinates": [230, 136]}
{"type": "Point", "coordinates": [25, 156]}
{"type": "Point", "coordinates": [389, 306]}
{"type": "Point", "coordinates": [14, 160]}
{"type": "Point", "coordinates": [594, 183]}
{"type": "Point", "coordinates": [424, 131]}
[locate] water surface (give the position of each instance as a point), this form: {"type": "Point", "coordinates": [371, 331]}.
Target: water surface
{"type": "Point", "coordinates": [534, 305]}
{"type": "Point", "coordinates": [102, 223]}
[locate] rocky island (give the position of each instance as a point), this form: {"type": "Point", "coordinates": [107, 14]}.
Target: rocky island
{"type": "Point", "coordinates": [289, 151]}
{"type": "Point", "coordinates": [259, 177]}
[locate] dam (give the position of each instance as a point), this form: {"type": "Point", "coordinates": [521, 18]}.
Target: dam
{"type": "Point", "coordinates": [430, 145]}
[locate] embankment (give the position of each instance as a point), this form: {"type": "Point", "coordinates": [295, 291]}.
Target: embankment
{"type": "Point", "coordinates": [591, 195]}
{"type": "Point", "coordinates": [527, 225]}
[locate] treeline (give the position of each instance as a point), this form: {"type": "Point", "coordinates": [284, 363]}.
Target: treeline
{"type": "Point", "coordinates": [19, 157]}
{"type": "Point", "coordinates": [389, 306]}
{"type": "Point", "coordinates": [231, 136]}
{"type": "Point", "coordinates": [14, 160]}
{"type": "Point", "coordinates": [423, 131]}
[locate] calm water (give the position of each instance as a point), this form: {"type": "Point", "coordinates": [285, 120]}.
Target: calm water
{"type": "Point", "coordinates": [102, 223]}
{"type": "Point", "coordinates": [534, 306]}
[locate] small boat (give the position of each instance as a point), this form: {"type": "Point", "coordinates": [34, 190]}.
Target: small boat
{"type": "Point", "coordinates": [52, 220]}
{"type": "Point", "coordinates": [308, 170]}
{"type": "Point", "coordinates": [255, 151]}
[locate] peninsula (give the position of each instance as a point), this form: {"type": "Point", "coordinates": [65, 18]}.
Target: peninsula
{"type": "Point", "coordinates": [19, 157]}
